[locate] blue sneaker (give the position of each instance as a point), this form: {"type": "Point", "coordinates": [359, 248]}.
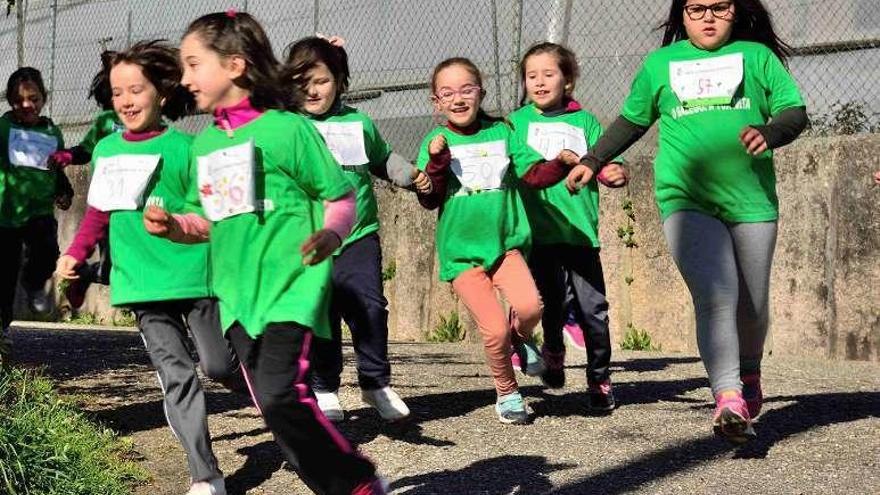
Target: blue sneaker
{"type": "Point", "coordinates": [530, 361]}
{"type": "Point", "coordinates": [511, 409]}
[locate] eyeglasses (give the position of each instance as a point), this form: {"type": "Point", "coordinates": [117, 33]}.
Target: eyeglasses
{"type": "Point", "coordinates": [467, 92]}
{"type": "Point", "coordinates": [720, 10]}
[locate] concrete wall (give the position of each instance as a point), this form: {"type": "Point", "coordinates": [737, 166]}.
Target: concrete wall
{"type": "Point", "coordinates": [826, 278]}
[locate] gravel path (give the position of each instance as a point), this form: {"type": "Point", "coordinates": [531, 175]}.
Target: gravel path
{"type": "Point", "coordinates": [820, 431]}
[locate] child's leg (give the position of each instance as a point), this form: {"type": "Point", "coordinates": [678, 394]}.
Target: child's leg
{"type": "Point", "coordinates": [546, 268]}
{"type": "Point", "coordinates": [476, 291]}
{"type": "Point", "coordinates": [754, 244]}
{"type": "Point", "coordinates": [163, 332]}
{"type": "Point", "coordinates": [703, 250]}
{"type": "Point", "coordinates": [216, 357]}
{"type": "Point", "coordinates": [278, 364]}
{"type": "Point", "coordinates": [513, 279]}
{"type": "Point", "coordinates": [584, 268]}
{"type": "Point", "coordinates": [358, 272]}
{"type": "Point", "coordinates": [10, 253]}
{"type": "Point", "coordinates": [327, 354]}
{"type": "Point", "coordinates": [41, 244]}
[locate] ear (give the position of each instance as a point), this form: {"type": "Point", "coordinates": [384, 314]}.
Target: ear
{"type": "Point", "coordinates": [236, 65]}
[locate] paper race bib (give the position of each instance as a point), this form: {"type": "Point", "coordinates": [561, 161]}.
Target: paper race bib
{"type": "Point", "coordinates": [226, 181]}
{"type": "Point", "coordinates": [345, 141]}
{"type": "Point", "coordinates": [31, 149]}
{"type": "Point", "coordinates": [480, 167]}
{"type": "Point", "coordinates": [709, 81]}
{"type": "Point", "coordinates": [119, 181]}
{"type": "Point", "coordinates": [550, 138]}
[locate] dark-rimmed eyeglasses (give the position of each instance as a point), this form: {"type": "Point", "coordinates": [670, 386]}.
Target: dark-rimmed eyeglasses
{"type": "Point", "coordinates": [720, 10]}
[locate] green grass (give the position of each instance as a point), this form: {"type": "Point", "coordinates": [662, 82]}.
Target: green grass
{"type": "Point", "coordinates": [124, 318]}
{"type": "Point", "coordinates": [48, 447]}
{"type": "Point", "coordinates": [449, 329]}
{"type": "Point", "coordinates": [83, 318]}
{"type": "Point", "coordinates": [389, 272]}
{"type": "Point", "coordinates": [636, 339]}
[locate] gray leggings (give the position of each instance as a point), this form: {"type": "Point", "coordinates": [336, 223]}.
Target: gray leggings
{"type": "Point", "coordinates": [727, 270]}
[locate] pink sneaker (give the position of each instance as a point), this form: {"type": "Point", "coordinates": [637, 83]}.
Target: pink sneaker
{"type": "Point", "coordinates": [574, 335]}
{"type": "Point", "coordinates": [514, 359]}
{"type": "Point", "coordinates": [554, 371]}
{"type": "Point", "coordinates": [375, 486]}
{"type": "Point", "coordinates": [731, 419]}
{"type": "Point", "coordinates": [752, 393]}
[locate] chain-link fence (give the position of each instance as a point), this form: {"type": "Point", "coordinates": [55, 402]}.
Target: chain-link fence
{"type": "Point", "coordinates": [394, 44]}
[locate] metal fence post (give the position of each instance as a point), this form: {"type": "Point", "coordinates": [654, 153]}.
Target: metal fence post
{"type": "Point", "coordinates": [560, 18]}
{"type": "Point", "coordinates": [19, 30]}
{"type": "Point", "coordinates": [52, 57]}
{"type": "Point", "coordinates": [497, 58]}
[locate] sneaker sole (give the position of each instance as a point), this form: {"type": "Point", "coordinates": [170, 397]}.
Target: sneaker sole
{"type": "Point", "coordinates": [516, 421]}
{"type": "Point", "coordinates": [733, 428]}
{"type": "Point", "coordinates": [389, 419]}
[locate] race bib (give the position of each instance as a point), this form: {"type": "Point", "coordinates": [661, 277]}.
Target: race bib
{"type": "Point", "coordinates": [709, 81]}
{"type": "Point", "coordinates": [549, 139]}
{"type": "Point", "coordinates": [226, 181]}
{"type": "Point", "coordinates": [31, 149]}
{"type": "Point", "coordinates": [480, 167]}
{"type": "Point", "coordinates": [345, 140]}
{"type": "Point", "coordinates": [119, 181]}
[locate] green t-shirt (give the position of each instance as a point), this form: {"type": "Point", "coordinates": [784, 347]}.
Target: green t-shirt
{"type": "Point", "coordinates": [556, 215]}
{"type": "Point", "coordinates": [105, 123]}
{"type": "Point", "coordinates": [701, 164]}
{"type": "Point", "coordinates": [356, 145]}
{"type": "Point", "coordinates": [148, 268]}
{"type": "Point", "coordinates": [482, 216]}
{"type": "Point", "coordinates": [256, 267]}
{"type": "Point", "coordinates": [27, 185]}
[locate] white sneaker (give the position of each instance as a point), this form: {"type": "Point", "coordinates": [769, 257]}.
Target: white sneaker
{"type": "Point", "coordinates": [329, 404]}
{"type": "Point", "coordinates": [39, 301]}
{"type": "Point", "coordinates": [215, 486]}
{"type": "Point", "coordinates": [386, 401]}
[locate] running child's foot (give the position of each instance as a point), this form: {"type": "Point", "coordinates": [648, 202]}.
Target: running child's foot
{"type": "Point", "coordinates": [375, 486]}
{"type": "Point", "coordinates": [39, 301]}
{"type": "Point", "coordinates": [554, 368]}
{"type": "Point", "coordinates": [386, 401]}
{"type": "Point", "coordinates": [574, 334]}
{"type": "Point", "coordinates": [511, 409]}
{"type": "Point", "coordinates": [215, 486]}
{"type": "Point", "coordinates": [731, 420]}
{"type": "Point", "coordinates": [601, 397]}
{"type": "Point", "coordinates": [530, 361]}
{"type": "Point", "coordinates": [752, 393]}
{"type": "Point", "coordinates": [328, 403]}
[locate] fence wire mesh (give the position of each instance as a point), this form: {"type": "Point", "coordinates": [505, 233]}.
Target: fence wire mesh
{"type": "Point", "coordinates": [394, 44]}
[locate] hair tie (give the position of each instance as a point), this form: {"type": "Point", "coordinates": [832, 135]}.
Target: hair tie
{"type": "Point", "coordinates": [231, 13]}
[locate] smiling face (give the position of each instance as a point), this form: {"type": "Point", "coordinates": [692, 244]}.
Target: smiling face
{"type": "Point", "coordinates": [320, 89]}
{"type": "Point", "coordinates": [458, 95]}
{"type": "Point", "coordinates": [28, 103]}
{"type": "Point", "coordinates": [136, 100]}
{"type": "Point", "coordinates": [546, 85]}
{"type": "Point", "coordinates": [709, 25]}
{"type": "Point", "coordinates": [209, 77]}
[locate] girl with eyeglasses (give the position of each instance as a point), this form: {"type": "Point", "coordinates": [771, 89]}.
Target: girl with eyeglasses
{"type": "Point", "coordinates": [725, 99]}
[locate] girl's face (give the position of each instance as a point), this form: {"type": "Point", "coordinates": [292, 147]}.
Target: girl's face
{"type": "Point", "coordinates": [136, 101]}
{"type": "Point", "coordinates": [209, 77]}
{"type": "Point", "coordinates": [709, 25]}
{"type": "Point", "coordinates": [320, 89]}
{"type": "Point", "coordinates": [28, 103]}
{"type": "Point", "coordinates": [458, 95]}
{"type": "Point", "coordinates": [545, 84]}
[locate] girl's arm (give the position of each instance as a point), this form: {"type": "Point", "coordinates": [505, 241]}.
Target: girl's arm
{"type": "Point", "coordinates": [186, 228]}
{"type": "Point", "coordinates": [544, 174]}
{"type": "Point", "coordinates": [92, 230]}
{"type": "Point", "coordinates": [438, 173]}
{"type": "Point", "coordinates": [782, 130]}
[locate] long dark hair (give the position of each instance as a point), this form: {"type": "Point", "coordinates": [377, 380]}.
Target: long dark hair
{"type": "Point", "coordinates": [160, 64]}
{"type": "Point", "coordinates": [238, 33]}
{"type": "Point", "coordinates": [752, 22]}
{"type": "Point", "coordinates": [473, 70]}
{"type": "Point", "coordinates": [302, 56]}
{"type": "Point", "coordinates": [565, 58]}
{"type": "Point", "coordinates": [100, 90]}
{"type": "Point", "coordinates": [24, 75]}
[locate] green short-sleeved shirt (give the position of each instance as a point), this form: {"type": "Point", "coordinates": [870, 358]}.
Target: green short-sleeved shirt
{"type": "Point", "coordinates": [256, 266]}
{"type": "Point", "coordinates": [105, 123]}
{"type": "Point", "coordinates": [483, 215]}
{"type": "Point", "coordinates": [701, 164]}
{"type": "Point", "coordinates": [148, 268]}
{"type": "Point", "coordinates": [27, 192]}
{"type": "Point", "coordinates": [358, 147]}
{"type": "Point", "coordinates": [555, 215]}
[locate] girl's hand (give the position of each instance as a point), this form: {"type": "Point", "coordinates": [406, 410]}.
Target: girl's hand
{"type": "Point", "coordinates": [877, 177]}
{"type": "Point", "coordinates": [437, 145]}
{"type": "Point", "coordinates": [753, 141]}
{"type": "Point", "coordinates": [60, 159]}
{"type": "Point", "coordinates": [579, 176]}
{"type": "Point", "coordinates": [337, 41]}
{"type": "Point", "coordinates": [319, 246]}
{"type": "Point", "coordinates": [613, 175]}
{"type": "Point", "coordinates": [422, 181]}
{"type": "Point", "coordinates": [568, 157]}
{"type": "Point", "coordinates": [66, 267]}
{"type": "Point", "coordinates": [159, 222]}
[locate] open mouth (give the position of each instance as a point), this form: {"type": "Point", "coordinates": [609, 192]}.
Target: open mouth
{"type": "Point", "coordinates": [130, 114]}
{"type": "Point", "coordinates": [460, 110]}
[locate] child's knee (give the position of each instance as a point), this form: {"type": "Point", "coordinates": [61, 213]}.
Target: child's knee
{"type": "Point", "coordinates": [529, 314]}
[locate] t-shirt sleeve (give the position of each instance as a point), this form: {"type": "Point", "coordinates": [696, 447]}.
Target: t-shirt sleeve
{"type": "Point", "coordinates": [90, 140]}
{"type": "Point", "coordinates": [640, 106]}
{"type": "Point", "coordinates": [377, 149]}
{"type": "Point", "coordinates": [521, 154]}
{"type": "Point", "coordinates": [782, 90]}
{"type": "Point", "coordinates": [314, 168]}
